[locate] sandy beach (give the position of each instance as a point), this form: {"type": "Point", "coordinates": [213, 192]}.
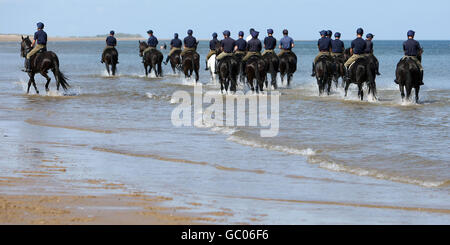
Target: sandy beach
{"type": "Point", "coordinates": [40, 204]}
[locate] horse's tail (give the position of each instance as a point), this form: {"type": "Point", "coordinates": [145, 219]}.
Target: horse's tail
{"type": "Point", "coordinates": [60, 77]}
{"type": "Point", "coordinates": [257, 74]}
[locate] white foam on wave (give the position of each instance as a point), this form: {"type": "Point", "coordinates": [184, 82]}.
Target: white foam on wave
{"type": "Point", "coordinates": [303, 152]}
{"type": "Point", "coordinates": [336, 167]}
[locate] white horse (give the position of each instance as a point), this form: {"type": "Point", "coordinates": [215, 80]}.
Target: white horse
{"type": "Point", "coordinates": [212, 67]}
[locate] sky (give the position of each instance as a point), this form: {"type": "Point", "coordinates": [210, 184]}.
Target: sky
{"type": "Point", "coordinates": [386, 19]}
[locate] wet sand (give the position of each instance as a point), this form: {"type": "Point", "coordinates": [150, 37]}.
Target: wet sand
{"type": "Point", "coordinates": [67, 208]}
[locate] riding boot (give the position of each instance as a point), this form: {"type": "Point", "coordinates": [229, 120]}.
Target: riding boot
{"type": "Point", "coordinates": [421, 78]}
{"type": "Point", "coordinates": [206, 67]}
{"type": "Point", "coordinates": [377, 72]}
{"type": "Point", "coordinates": [313, 70]}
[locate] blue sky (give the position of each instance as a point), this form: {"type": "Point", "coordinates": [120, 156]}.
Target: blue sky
{"type": "Point", "coordinates": [387, 19]}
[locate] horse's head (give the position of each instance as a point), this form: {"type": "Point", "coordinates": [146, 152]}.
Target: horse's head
{"type": "Point", "coordinates": [25, 46]}
{"type": "Point", "coordinates": [142, 47]}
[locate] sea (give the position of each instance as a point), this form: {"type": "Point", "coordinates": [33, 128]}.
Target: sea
{"type": "Point", "coordinates": [334, 159]}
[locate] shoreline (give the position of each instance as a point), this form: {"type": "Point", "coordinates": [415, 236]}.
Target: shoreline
{"type": "Point", "coordinates": [36, 197]}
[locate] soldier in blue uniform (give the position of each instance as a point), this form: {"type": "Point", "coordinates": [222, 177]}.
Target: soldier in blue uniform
{"type": "Point", "coordinates": [228, 45]}
{"type": "Point", "coordinates": [324, 45]}
{"type": "Point", "coordinates": [412, 50]}
{"type": "Point", "coordinates": [269, 43]}
{"type": "Point", "coordinates": [358, 48]}
{"type": "Point", "coordinates": [111, 42]}
{"type": "Point", "coordinates": [254, 46]}
{"type": "Point", "coordinates": [39, 42]}
{"type": "Point", "coordinates": [190, 43]}
{"type": "Point", "coordinates": [212, 48]}
{"type": "Point", "coordinates": [337, 46]}
{"type": "Point", "coordinates": [286, 43]}
{"type": "Point", "coordinates": [152, 43]}
{"type": "Point", "coordinates": [241, 44]}
{"type": "Point", "coordinates": [175, 44]}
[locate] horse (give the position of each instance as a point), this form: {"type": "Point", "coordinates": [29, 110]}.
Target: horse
{"type": "Point", "coordinates": [110, 57]}
{"type": "Point", "coordinates": [408, 75]}
{"type": "Point", "coordinates": [41, 63]}
{"type": "Point", "coordinates": [339, 69]}
{"type": "Point", "coordinates": [211, 63]}
{"type": "Point", "coordinates": [288, 66]}
{"type": "Point", "coordinates": [255, 68]}
{"type": "Point", "coordinates": [241, 68]}
{"type": "Point", "coordinates": [324, 74]}
{"type": "Point", "coordinates": [360, 72]}
{"type": "Point", "coordinates": [272, 65]}
{"type": "Point", "coordinates": [191, 64]}
{"type": "Point", "coordinates": [228, 69]}
{"type": "Point", "coordinates": [152, 59]}
{"type": "Point", "coordinates": [175, 60]}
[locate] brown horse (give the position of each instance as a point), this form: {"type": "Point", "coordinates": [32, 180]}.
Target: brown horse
{"type": "Point", "coordinates": [41, 63]}
{"type": "Point", "coordinates": [255, 68]}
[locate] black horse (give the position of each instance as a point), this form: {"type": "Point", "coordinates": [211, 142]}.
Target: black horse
{"type": "Point", "coordinates": [288, 66]}
{"type": "Point", "coordinates": [111, 58]}
{"type": "Point", "coordinates": [175, 60]}
{"type": "Point", "coordinates": [152, 59]}
{"type": "Point", "coordinates": [241, 67]}
{"type": "Point", "coordinates": [272, 66]}
{"type": "Point", "coordinates": [408, 76]}
{"type": "Point", "coordinates": [41, 63]}
{"type": "Point", "coordinates": [191, 64]}
{"type": "Point", "coordinates": [324, 73]}
{"type": "Point", "coordinates": [339, 69]}
{"type": "Point", "coordinates": [360, 72]}
{"type": "Point", "coordinates": [255, 68]}
{"type": "Point", "coordinates": [228, 69]}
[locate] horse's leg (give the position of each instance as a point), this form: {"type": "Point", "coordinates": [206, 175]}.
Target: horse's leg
{"type": "Point", "coordinates": [329, 86]}
{"type": "Point", "coordinates": [417, 89]}
{"type": "Point", "coordinates": [289, 79]}
{"type": "Point", "coordinates": [44, 74]}
{"type": "Point", "coordinates": [34, 84]}
{"type": "Point", "coordinates": [114, 68]}
{"type": "Point", "coordinates": [361, 91]}
{"type": "Point", "coordinates": [107, 68]}
{"type": "Point", "coordinates": [402, 91]}
{"type": "Point", "coordinates": [274, 81]}
{"type": "Point", "coordinates": [29, 83]}
{"type": "Point", "coordinates": [227, 84]}
{"type": "Point", "coordinates": [146, 70]}
{"type": "Point", "coordinates": [408, 92]}
{"type": "Point", "coordinates": [196, 74]}
{"type": "Point", "coordinates": [347, 84]}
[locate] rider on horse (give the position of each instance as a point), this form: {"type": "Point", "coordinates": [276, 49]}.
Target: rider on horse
{"type": "Point", "coordinates": [357, 49]}
{"type": "Point", "coordinates": [269, 43]}
{"type": "Point", "coordinates": [286, 43]}
{"type": "Point", "coordinates": [337, 46]}
{"type": "Point", "coordinates": [190, 43]}
{"type": "Point", "coordinates": [212, 48]}
{"type": "Point", "coordinates": [111, 42]}
{"type": "Point", "coordinates": [228, 46]}
{"type": "Point", "coordinates": [175, 45]}
{"type": "Point", "coordinates": [39, 42]}
{"type": "Point", "coordinates": [369, 50]}
{"type": "Point", "coordinates": [324, 45]}
{"type": "Point", "coordinates": [152, 43]}
{"type": "Point", "coordinates": [412, 50]}
{"type": "Point", "coordinates": [241, 45]}
{"type": "Point", "coordinates": [254, 46]}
